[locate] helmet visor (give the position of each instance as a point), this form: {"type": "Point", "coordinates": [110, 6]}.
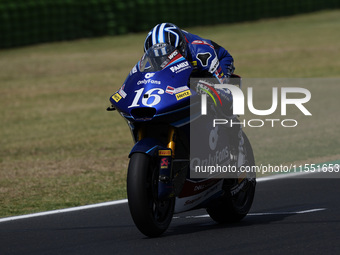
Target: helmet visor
{"type": "Point", "coordinates": [156, 57]}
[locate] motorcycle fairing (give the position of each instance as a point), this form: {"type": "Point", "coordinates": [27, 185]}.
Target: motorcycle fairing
{"type": "Point", "coordinates": [148, 145]}
{"type": "Point", "coordinates": [190, 202]}
{"type": "Point", "coordinates": [166, 90]}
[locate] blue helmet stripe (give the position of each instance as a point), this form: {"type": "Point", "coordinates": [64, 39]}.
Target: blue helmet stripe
{"type": "Point", "coordinates": [161, 33]}
{"type": "Point", "coordinates": [169, 29]}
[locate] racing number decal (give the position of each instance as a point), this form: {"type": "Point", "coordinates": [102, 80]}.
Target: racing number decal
{"type": "Point", "coordinates": [148, 99]}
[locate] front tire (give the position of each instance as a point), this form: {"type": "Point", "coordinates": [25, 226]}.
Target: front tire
{"type": "Point", "coordinates": [151, 215]}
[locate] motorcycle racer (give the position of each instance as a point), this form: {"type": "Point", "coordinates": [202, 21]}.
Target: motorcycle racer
{"type": "Point", "coordinates": [207, 58]}
{"type": "Point", "coordinates": [205, 55]}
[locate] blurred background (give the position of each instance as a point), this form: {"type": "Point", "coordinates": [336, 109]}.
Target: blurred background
{"type": "Point", "coordinates": [24, 22]}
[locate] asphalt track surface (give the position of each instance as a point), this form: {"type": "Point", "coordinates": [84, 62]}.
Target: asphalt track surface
{"type": "Point", "coordinates": [289, 216]}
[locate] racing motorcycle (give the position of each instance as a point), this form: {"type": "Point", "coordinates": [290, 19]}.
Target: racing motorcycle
{"type": "Point", "coordinates": [162, 109]}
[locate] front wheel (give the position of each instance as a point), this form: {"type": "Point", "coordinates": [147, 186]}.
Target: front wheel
{"type": "Point", "coordinates": [151, 215]}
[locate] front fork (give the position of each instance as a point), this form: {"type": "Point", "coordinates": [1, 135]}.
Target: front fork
{"type": "Point", "coordinates": [165, 184]}
{"type": "Point", "coordinates": [171, 140]}
{"type": "Point", "coordinates": [171, 144]}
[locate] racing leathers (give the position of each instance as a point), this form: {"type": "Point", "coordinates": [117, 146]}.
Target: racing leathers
{"type": "Point", "coordinates": [211, 60]}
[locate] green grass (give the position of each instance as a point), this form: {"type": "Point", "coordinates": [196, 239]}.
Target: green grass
{"type": "Point", "coordinates": [60, 148]}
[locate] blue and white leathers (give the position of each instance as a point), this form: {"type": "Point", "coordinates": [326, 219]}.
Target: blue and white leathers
{"type": "Point", "coordinates": [208, 56]}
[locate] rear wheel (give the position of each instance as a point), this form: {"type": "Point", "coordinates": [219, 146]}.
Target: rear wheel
{"type": "Point", "coordinates": [151, 215]}
{"type": "Point", "coordinates": [236, 202]}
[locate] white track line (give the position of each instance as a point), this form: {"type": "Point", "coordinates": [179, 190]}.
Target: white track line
{"type": "Point", "coordinates": [72, 209]}
{"type": "Point", "coordinates": [258, 214]}
{"type": "Point", "coordinates": [282, 176]}
{"type": "Point", "coordinates": [280, 213]}
{"type": "Point", "coordinates": [85, 207]}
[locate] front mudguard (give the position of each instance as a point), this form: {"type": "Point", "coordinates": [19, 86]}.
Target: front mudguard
{"type": "Point", "coordinates": [149, 146]}
{"type": "Point", "coordinates": [162, 156]}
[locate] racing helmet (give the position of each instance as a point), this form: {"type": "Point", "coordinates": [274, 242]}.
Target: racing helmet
{"type": "Point", "coordinates": [166, 33]}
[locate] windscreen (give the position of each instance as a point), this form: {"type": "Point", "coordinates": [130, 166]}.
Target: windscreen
{"type": "Point", "coordinates": [157, 57]}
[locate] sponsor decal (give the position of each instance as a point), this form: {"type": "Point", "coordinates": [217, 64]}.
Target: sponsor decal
{"type": "Point", "coordinates": [220, 76]}
{"type": "Point", "coordinates": [180, 67]}
{"type": "Point", "coordinates": [156, 98]}
{"type": "Point", "coordinates": [214, 65]}
{"type": "Point", "coordinates": [146, 81]}
{"type": "Point", "coordinates": [164, 153]}
{"type": "Point", "coordinates": [199, 198]}
{"type": "Point", "coordinates": [164, 163]}
{"type": "Point", "coordinates": [173, 54]}
{"type": "Point", "coordinates": [190, 199]}
{"type": "Point", "coordinates": [121, 91]}
{"type": "Point", "coordinates": [173, 58]}
{"type": "Point", "coordinates": [159, 45]}
{"type": "Point", "coordinates": [116, 97]}
{"type": "Point", "coordinates": [171, 90]}
{"type": "Point", "coordinates": [203, 186]}
{"type": "Point", "coordinates": [149, 75]}
{"type": "Point", "coordinates": [180, 89]}
{"type": "Point", "coordinates": [183, 94]}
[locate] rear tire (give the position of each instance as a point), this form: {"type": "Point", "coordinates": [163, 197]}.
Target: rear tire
{"type": "Point", "coordinates": [151, 216]}
{"type": "Point", "coordinates": [231, 208]}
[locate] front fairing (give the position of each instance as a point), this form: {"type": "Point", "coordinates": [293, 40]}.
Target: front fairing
{"type": "Point", "coordinates": [155, 96]}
